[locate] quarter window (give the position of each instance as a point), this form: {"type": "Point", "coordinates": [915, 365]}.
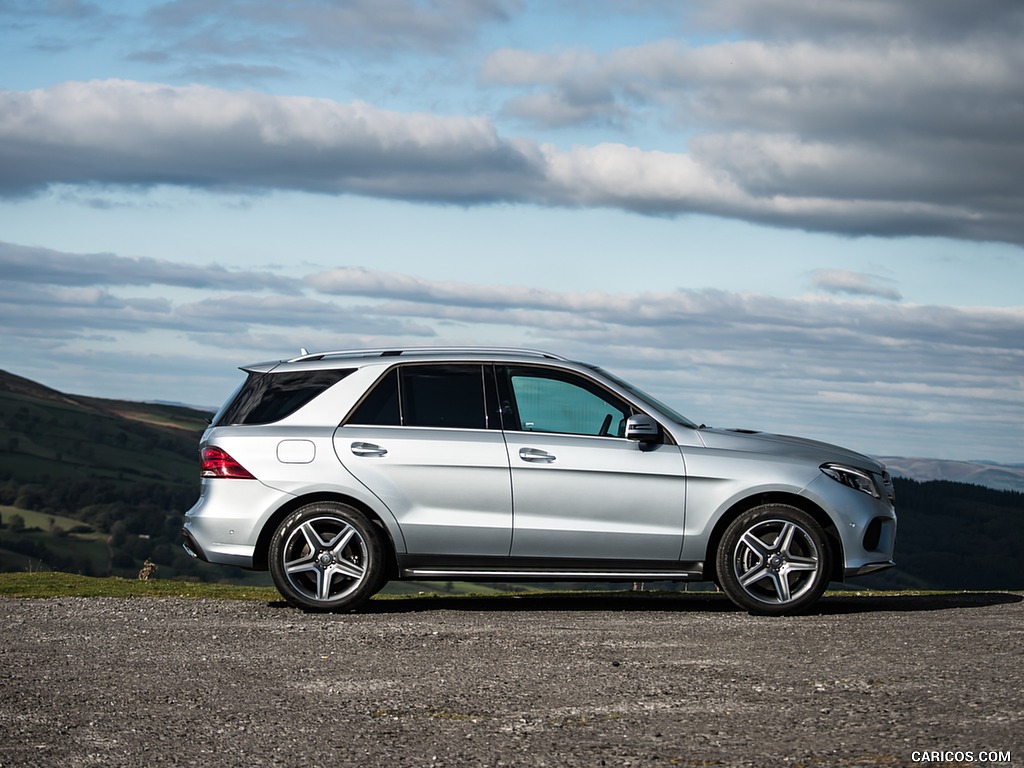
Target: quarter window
{"type": "Point", "coordinates": [380, 407]}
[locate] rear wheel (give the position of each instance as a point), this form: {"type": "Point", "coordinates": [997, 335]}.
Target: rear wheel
{"type": "Point", "coordinates": [774, 559]}
{"type": "Point", "coordinates": [327, 556]}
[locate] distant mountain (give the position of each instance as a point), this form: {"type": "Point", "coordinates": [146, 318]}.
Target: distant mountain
{"type": "Point", "coordinates": [1002, 477]}
{"type": "Point", "coordinates": [210, 409]}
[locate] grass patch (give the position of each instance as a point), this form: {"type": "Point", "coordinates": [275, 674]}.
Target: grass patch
{"type": "Point", "coordinates": [55, 584]}
{"type": "Point", "coordinates": [47, 584]}
{"type": "Point", "coordinates": [47, 522]}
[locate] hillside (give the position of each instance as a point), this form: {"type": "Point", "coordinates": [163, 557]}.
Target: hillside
{"type": "Point", "coordinates": [49, 434]}
{"type": "Point", "coordinates": [97, 486]}
{"type": "Point", "coordinates": [955, 536]}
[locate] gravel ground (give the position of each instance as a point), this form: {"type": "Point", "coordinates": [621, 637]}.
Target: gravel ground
{"type": "Point", "coordinates": [582, 681]}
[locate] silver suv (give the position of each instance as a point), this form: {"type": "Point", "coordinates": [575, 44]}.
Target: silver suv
{"type": "Point", "coordinates": [341, 470]}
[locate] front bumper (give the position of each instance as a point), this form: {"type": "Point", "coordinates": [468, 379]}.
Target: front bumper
{"type": "Point", "coordinates": [866, 526]}
{"type": "Point", "coordinates": [867, 568]}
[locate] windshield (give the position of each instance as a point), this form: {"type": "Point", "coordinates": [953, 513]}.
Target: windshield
{"type": "Point", "coordinates": [639, 394]}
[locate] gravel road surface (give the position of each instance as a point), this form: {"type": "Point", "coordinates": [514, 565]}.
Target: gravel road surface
{"type": "Point", "coordinates": [514, 681]}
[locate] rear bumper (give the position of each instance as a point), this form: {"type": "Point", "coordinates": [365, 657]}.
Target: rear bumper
{"type": "Point", "coordinates": [191, 546]}
{"type": "Point", "coordinates": [224, 525]}
{"type": "Point", "coordinates": [215, 550]}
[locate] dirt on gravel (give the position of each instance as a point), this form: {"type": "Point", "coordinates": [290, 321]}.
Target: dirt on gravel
{"type": "Point", "coordinates": [512, 681]}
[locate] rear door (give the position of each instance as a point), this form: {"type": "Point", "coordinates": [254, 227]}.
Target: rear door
{"type": "Point", "coordinates": [581, 489]}
{"type": "Point", "coordinates": [427, 442]}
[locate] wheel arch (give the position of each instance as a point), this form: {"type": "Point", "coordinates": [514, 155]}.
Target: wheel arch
{"type": "Point", "coordinates": [805, 505]}
{"type": "Point", "coordinates": [260, 556]}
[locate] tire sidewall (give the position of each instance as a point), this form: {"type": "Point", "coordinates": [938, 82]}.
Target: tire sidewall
{"type": "Point", "coordinates": [727, 547]}
{"type": "Point", "coordinates": [374, 576]}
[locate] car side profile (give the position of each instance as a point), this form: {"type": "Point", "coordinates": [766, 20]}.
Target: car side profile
{"type": "Point", "coordinates": [339, 471]}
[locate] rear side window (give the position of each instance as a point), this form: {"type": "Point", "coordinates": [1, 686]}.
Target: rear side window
{"type": "Point", "coordinates": [268, 397]}
{"type": "Point", "coordinates": [451, 396]}
{"type": "Point", "coordinates": [443, 396]}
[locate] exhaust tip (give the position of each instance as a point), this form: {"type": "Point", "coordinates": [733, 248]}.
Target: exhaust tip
{"type": "Point", "coordinates": [191, 547]}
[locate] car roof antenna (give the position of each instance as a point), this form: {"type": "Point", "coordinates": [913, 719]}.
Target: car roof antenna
{"type": "Point", "coordinates": [302, 351]}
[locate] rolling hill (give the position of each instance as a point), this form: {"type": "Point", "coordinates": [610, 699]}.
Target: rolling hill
{"type": "Point", "coordinates": [96, 486]}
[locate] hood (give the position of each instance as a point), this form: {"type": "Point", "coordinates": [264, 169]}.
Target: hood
{"type": "Point", "coordinates": [786, 445]}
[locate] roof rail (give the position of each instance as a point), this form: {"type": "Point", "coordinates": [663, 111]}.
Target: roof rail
{"type": "Point", "coordinates": [398, 351]}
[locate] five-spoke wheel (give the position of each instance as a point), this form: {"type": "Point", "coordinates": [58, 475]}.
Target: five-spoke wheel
{"type": "Point", "coordinates": [774, 559]}
{"type": "Point", "coordinates": [326, 556]}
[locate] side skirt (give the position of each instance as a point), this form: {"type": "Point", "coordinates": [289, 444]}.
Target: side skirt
{"type": "Point", "coordinates": [430, 568]}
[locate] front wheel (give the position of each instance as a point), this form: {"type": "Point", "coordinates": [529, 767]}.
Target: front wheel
{"type": "Point", "coordinates": [773, 560]}
{"type": "Point", "coordinates": [327, 556]}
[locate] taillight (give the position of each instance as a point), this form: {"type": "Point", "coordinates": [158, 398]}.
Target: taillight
{"type": "Point", "coordinates": [216, 462]}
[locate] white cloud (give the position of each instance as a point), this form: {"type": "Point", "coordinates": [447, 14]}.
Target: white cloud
{"type": "Point", "coordinates": [129, 133]}
{"type": "Point", "coordinates": [45, 266]}
{"type": "Point", "coordinates": [936, 19]}
{"type": "Point", "coordinates": [905, 116]}
{"type": "Point", "coordinates": [855, 283]}
{"type": "Point", "coordinates": [879, 117]}
{"type": "Point", "coordinates": [259, 27]}
{"type": "Point", "coordinates": [826, 366]}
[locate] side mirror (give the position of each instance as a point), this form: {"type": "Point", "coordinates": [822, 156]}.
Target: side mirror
{"type": "Point", "coordinates": [643, 429]}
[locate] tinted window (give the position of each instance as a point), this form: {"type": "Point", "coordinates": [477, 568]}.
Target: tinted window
{"type": "Point", "coordinates": [443, 396]}
{"type": "Point", "coordinates": [426, 396]}
{"type": "Point", "coordinates": [380, 408]}
{"type": "Point", "coordinates": [268, 397]}
{"type": "Point", "coordinates": [549, 401]}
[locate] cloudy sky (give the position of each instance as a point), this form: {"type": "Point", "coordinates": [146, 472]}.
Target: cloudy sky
{"type": "Point", "coordinates": [803, 217]}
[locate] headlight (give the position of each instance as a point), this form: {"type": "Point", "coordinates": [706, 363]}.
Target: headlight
{"type": "Point", "coordinates": [857, 479]}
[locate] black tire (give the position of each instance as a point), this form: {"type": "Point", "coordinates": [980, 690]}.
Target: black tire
{"type": "Point", "coordinates": [327, 556]}
{"type": "Point", "coordinates": [774, 560]}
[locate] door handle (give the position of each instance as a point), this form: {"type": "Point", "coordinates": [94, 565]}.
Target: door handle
{"type": "Point", "coordinates": [368, 449]}
{"type": "Point", "coordinates": [536, 455]}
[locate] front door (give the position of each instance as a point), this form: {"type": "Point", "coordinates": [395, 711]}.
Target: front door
{"type": "Point", "coordinates": [581, 489]}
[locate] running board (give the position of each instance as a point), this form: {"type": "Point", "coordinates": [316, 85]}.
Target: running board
{"type": "Point", "coordinates": [522, 574]}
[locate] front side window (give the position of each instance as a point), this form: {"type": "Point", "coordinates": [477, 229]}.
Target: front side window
{"type": "Point", "coordinates": [448, 396]}
{"type": "Point", "coordinates": [554, 401]}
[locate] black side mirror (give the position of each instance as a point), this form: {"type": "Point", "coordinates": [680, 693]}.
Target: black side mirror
{"type": "Point", "coordinates": [643, 429]}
